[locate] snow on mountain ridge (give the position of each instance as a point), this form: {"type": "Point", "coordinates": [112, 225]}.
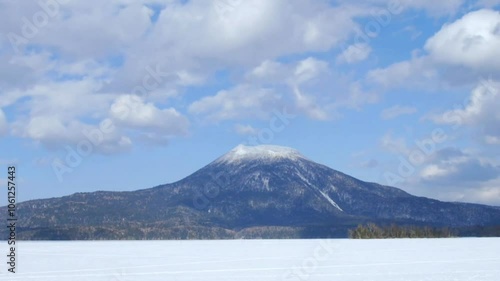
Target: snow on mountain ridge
{"type": "Point", "coordinates": [333, 203]}
{"type": "Point", "coordinates": [260, 152]}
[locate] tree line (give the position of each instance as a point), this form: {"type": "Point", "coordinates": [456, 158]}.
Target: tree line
{"type": "Point", "coordinates": [373, 231]}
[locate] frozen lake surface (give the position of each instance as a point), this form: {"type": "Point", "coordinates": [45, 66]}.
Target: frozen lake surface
{"type": "Point", "coordinates": [260, 260]}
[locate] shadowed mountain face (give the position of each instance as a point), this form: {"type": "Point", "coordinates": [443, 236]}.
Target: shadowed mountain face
{"type": "Point", "coordinates": [263, 191]}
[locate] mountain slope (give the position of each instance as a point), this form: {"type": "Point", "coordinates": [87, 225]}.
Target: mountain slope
{"type": "Point", "coordinates": [267, 191]}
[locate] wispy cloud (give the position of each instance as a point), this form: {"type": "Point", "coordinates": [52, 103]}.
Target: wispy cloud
{"type": "Point", "coordinates": [396, 111]}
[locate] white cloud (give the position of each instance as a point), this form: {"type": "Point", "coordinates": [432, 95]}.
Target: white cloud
{"type": "Point", "coordinates": [413, 31]}
{"type": "Point", "coordinates": [108, 46]}
{"type": "Point", "coordinates": [455, 56]}
{"type": "Point", "coordinates": [304, 74]}
{"type": "Point", "coordinates": [396, 111]}
{"type": "Point", "coordinates": [266, 68]}
{"type": "Point", "coordinates": [394, 144]}
{"type": "Point", "coordinates": [369, 164]}
{"type": "Point", "coordinates": [492, 140]}
{"type": "Point", "coordinates": [48, 128]}
{"type": "Point", "coordinates": [416, 72]}
{"type": "Point", "coordinates": [487, 193]}
{"type": "Point", "coordinates": [86, 36]}
{"type": "Point", "coordinates": [461, 175]}
{"type": "Point", "coordinates": [472, 41]}
{"type": "Point", "coordinates": [132, 112]}
{"type": "Point", "coordinates": [308, 69]}
{"type": "Point", "coordinates": [450, 173]}
{"type": "Point", "coordinates": [434, 7]}
{"type": "Point", "coordinates": [243, 101]}
{"type": "Point", "coordinates": [65, 99]}
{"type": "Point", "coordinates": [308, 105]}
{"type": "Point", "coordinates": [355, 53]}
{"type": "Point", "coordinates": [269, 72]}
{"type": "Point", "coordinates": [245, 130]}
{"type": "Point", "coordinates": [54, 133]}
{"type": "Point", "coordinates": [21, 72]}
{"type": "Point", "coordinates": [279, 27]}
{"type": "Point", "coordinates": [487, 3]}
{"type": "Point", "coordinates": [3, 123]}
{"type": "Point", "coordinates": [295, 73]}
{"type": "Point", "coordinates": [484, 104]}
{"type": "Point", "coordinates": [484, 193]}
{"type": "Point", "coordinates": [51, 114]}
{"type": "Point", "coordinates": [312, 87]}
{"type": "Point", "coordinates": [480, 113]}
{"type": "Point", "coordinates": [434, 171]}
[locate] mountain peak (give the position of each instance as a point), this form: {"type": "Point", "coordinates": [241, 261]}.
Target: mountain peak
{"type": "Point", "coordinates": [259, 152]}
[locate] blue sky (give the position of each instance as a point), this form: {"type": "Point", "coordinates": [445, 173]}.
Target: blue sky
{"type": "Point", "coordinates": [125, 95]}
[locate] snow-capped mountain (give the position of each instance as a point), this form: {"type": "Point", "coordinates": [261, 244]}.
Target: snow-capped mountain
{"type": "Point", "coordinates": [287, 186]}
{"type": "Point", "coordinates": [267, 191]}
{"type": "Point", "coordinates": [243, 153]}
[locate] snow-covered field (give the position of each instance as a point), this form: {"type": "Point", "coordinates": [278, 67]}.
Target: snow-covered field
{"type": "Point", "coordinates": [260, 260]}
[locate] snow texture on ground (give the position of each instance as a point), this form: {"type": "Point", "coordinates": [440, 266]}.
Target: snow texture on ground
{"type": "Point", "coordinates": [245, 260]}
